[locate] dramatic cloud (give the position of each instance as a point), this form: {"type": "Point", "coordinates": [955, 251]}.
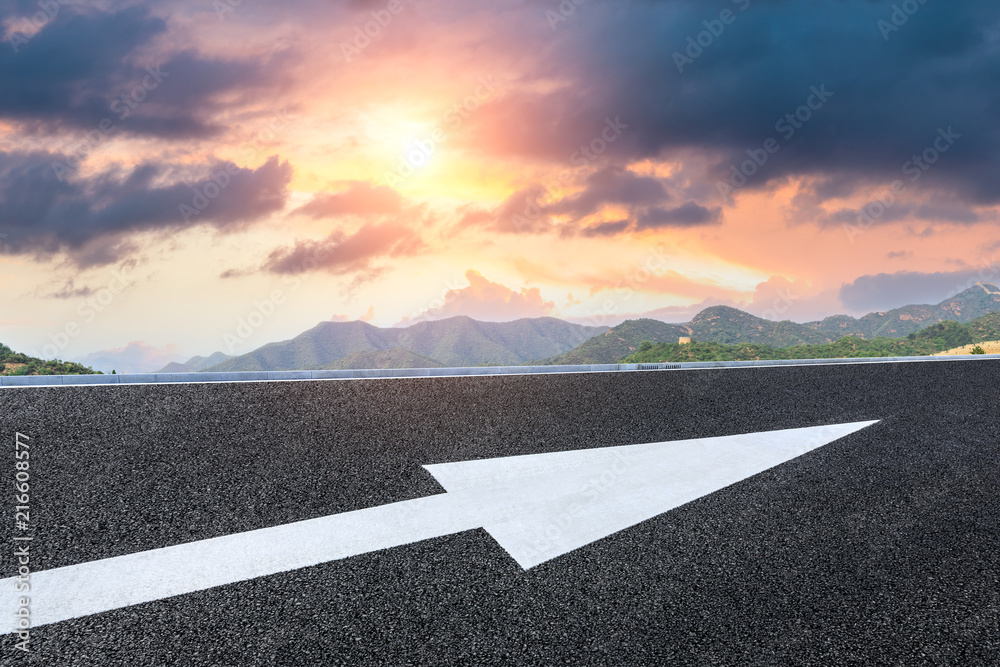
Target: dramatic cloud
{"type": "Point", "coordinates": [746, 136]}
{"type": "Point", "coordinates": [860, 113]}
{"type": "Point", "coordinates": [606, 228]}
{"type": "Point", "coordinates": [361, 198]}
{"type": "Point", "coordinates": [486, 300]}
{"type": "Point", "coordinates": [612, 185]}
{"type": "Point", "coordinates": [45, 207]}
{"type": "Point", "coordinates": [530, 211]}
{"type": "Point", "coordinates": [91, 70]}
{"type": "Point", "coordinates": [688, 214]}
{"type": "Point", "coordinates": [342, 253]}
{"type": "Point", "coordinates": [521, 213]}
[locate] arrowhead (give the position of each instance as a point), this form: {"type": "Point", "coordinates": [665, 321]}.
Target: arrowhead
{"type": "Point", "coordinates": [540, 506]}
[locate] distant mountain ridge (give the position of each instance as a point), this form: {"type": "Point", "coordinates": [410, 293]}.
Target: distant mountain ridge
{"type": "Point", "coordinates": [456, 341]}
{"type": "Point", "coordinates": [195, 363]}
{"type": "Point", "coordinates": [726, 325]}
{"type": "Point", "coordinates": [970, 304]}
{"type": "Point", "coordinates": [934, 339]}
{"type": "Point", "coordinates": [462, 341]}
{"type": "Point", "coordinates": [731, 326]}
{"type": "Point", "coordinates": [620, 341]}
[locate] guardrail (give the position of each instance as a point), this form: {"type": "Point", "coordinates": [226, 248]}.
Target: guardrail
{"type": "Point", "coordinates": [278, 376]}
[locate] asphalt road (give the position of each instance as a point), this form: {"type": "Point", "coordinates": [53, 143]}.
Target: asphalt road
{"type": "Point", "coordinates": [880, 548]}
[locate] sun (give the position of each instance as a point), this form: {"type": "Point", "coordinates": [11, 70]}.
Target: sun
{"type": "Point", "coordinates": [392, 137]}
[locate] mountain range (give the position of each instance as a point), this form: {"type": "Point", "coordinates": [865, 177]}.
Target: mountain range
{"type": "Point", "coordinates": [730, 326]}
{"type": "Point", "coordinates": [456, 341]}
{"type": "Point", "coordinates": [462, 341]}
{"type": "Point", "coordinates": [975, 337]}
{"type": "Point", "coordinates": [195, 363]}
{"type": "Point", "coordinates": [972, 303]}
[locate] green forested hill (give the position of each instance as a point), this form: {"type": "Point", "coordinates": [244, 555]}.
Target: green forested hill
{"type": "Point", "coordinates": [936, 338]}
{"type": "Point", "coordinates": [396, 357]}
{"type": "Point", "coordinates": [972, 303]}
{"type": "Point", "coordinates": [14, 363]}
{"type": "Point", "coordinates": [612, 345]}
{"type": "Point", "coordinates": [723, 324]}
{"type": "Point", "coordinates": [733, 327]}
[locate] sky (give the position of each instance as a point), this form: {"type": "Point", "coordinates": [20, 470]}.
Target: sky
{"type": "Point", "coordinates": [187, 176]}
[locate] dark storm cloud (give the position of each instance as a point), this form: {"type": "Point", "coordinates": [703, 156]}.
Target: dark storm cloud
{"type": "Point", "coordinates": [876, 212]}
{"type": "Point", "coordinates": [530, 210]}
{"type": "Point", "coordinates": [883, 99]}
{"type": "Point", "coordinates": [84, 66]}
{"type": "Point", "coordinates": [612, 185]}
{"type": "Point", "coordinates": [689, 214]}
{"type": "Point", "coordinates": [43, 213]}
{"type": "Point", "coordinates": [606, 228]}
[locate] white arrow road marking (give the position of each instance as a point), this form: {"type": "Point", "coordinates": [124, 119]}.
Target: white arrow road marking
{"type": "Point", "coordinates": [536, 506]}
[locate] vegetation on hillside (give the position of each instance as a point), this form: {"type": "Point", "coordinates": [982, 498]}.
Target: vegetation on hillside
{"type": "Point", "coordinates": [727, 325]}
{"type": "Point", "coordinates": [935, 338]}
{"type": "Point", "coordinates": [15, 363]}
{"type": "Point", "coordinates": [396, 357]}
{"type": "Point", "coordinates": [978, 300]}
{"type": "Point", "coordinates": [615, 343]}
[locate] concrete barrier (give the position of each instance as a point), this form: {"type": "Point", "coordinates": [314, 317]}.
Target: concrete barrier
{"type": "Point", "coordinates": [282, 376]}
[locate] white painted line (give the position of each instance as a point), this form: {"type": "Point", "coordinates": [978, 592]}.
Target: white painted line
{"type": "Point", "coordinates": [537, 507]}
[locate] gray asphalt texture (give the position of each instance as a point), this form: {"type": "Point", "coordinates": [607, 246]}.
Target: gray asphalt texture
{"type": "Point", "coordinates": [880, 548]}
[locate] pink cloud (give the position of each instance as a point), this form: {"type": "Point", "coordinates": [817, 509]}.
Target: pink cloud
{"type": "Point", "coordinates": [136, 357]}
{"type": "Point", "coordinates": [490, 301]}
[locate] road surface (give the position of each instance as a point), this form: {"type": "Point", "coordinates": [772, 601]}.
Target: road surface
{"type": "Point", "coordinates": [880, 547]}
